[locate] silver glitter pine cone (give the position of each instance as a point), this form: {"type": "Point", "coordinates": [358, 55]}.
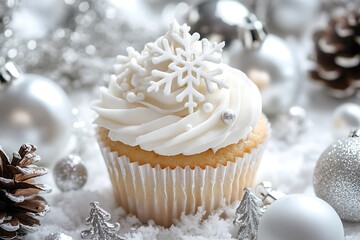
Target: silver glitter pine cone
{"type": "Point", "coordinates": [337, 177]}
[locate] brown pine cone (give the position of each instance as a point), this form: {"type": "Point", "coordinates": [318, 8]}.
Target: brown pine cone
{"type": "Point", "coordinates": [20, 203]}
{"type": "Point", "coordinates": [337, 54]}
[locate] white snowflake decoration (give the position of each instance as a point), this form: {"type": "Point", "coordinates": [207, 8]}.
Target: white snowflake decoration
{"type": "Point", "coordinates": [187, 66]}
{"type": "Point", "coordinates": [129, 66]}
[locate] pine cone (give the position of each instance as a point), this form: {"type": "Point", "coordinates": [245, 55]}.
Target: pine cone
{"type": "Point", "coordinates": [337, 50]}
{"type": "Point", "coordinates": [20, 203]}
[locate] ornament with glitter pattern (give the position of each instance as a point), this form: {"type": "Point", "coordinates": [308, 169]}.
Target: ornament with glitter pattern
{"type": "Point", "coordinates": [70, 174]}
{"type": "Point", "coordinates": [337, 179]}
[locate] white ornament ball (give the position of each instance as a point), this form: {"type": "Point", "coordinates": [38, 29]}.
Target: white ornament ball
{"type": "Point", "coordinates": [300, 217]}
{"type": "Point", "coordinates": [35, 110]}
{"type": "Point", "coordinates": [275, 61]}
{"type": "Point", "coordinates": [70, 173]}
{"type": "Point", "coordinates": [346, 118]}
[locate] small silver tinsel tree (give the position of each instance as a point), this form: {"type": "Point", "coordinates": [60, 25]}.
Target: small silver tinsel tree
{"type": "Point", "coordinates": [248, 215]}
{"type": "Point", "coordinates": [101, 230]}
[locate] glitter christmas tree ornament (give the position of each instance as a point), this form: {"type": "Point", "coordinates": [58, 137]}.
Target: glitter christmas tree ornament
{"type": "Point", "coordinates": [337, 179]}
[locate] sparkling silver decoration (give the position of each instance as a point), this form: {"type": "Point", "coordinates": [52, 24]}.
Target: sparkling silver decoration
{"type": "Point", "coordinates": [346, 118]}
{"type": "Point", "coordinates": [226, 20]}
{"type": "Point", "coordinates": [275, 68]}
{"type": "Point", "coordinates": [228, 116]}
{"type": "Point", "coordinates": [78, 48]}
{"type": "Point", "coordinates": [101, 229]}
{"type": "Point", "coordinates": [8, 73]}
{"type": "Point", "coordinates": [70, 173]}
{"type": "Point", "coordinates": [291, 125]}
{"type": "Point", "coordinates": [248, 216]}
{"type": "Point", "coordinates": [300, 217]}
{"type": "Point", "coordinates": [58, 236]}
{"type": "Point", "coordinates": [337, 178]}
{"type": "Point", "coordinates": [267, 194]}
{"type": "Point", "coordinates": [34, 109]}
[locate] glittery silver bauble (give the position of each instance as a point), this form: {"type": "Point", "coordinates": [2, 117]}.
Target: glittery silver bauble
{"type": "Point", "coordinates": [218, 20]}
{"type": "Point", "coordinates": [300, 217]}
{"type": "Point", "coordinates": [273, 67]}
{"type": "Point", "coordinates": [35, 109]}
{"type": "Point", "coordinates": [346, 118]}
{"type": "Point", "coordinates": [58, 236]}
{"type": "Point", "coordinates": [70, 174]}
{"type": "Point", "coordinates": [291, 17]}
{"type": "Point", "coordinates": [337, 177]}
{"type": "Point", "coordinates": [290, 125]}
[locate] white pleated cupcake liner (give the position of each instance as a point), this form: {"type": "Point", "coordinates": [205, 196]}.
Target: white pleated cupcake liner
{"type": "Point", "coordinates": [163, 194]}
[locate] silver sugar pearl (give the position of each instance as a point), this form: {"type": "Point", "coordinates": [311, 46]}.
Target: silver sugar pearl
{"type": "Point", "coordinates": [58, 236]}
{"type": "Point", "coordinates": [70, 173]}
{"type": "Point", "coordinates": [228, 116]}
{"type": "Point", "coordinates": [337, 178]}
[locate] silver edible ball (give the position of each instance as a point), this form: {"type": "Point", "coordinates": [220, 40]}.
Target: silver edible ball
{"type": "Point", "coordinates": [228, 116]}
{"type": "Point", "coordinates": [337, 177]}
{"type": "Point", "coordinates": [58, 236]}
{"type": "Point", "coordinates": [35, 109]}
{"type": "Point", "coordinates": [275, 63]}
{"type": "Point", "coordinates": [346, 118]}
{"type": "Point", "coordinates": [70, 174]}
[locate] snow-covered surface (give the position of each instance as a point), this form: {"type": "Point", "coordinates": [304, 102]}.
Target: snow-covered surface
{"type": "Point", "coordinates": [288, 166]}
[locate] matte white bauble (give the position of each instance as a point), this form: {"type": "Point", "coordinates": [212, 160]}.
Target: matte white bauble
{"type": "Point", "coordinates": [273, 67]}
{"type": "Point", "coordinates": [33, 109]}
{"type": "Point", "coordinates": [300, 217]}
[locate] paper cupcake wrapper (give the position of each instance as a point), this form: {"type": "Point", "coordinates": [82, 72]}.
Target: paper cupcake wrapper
{"type": "Point", "coordinates": [164, 194]}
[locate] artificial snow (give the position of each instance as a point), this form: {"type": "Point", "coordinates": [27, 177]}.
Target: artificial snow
{"type": "Point", "coordinates": [289, 166]}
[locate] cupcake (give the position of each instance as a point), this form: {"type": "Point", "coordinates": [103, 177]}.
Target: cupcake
{"type": "Point", "coordinates": [179, 129]}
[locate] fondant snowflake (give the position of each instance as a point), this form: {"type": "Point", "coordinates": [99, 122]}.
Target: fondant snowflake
{"type": "Point", "coordinates": [187, 66]}
{"type": "Point", "coordinates": [128, 66]}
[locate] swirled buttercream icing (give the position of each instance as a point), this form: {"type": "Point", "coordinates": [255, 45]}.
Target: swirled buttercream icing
{"type": "Point", "coordinates": [177, 97]}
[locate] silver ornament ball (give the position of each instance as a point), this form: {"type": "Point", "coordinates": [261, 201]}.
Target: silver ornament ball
{"type": "Point", "coordinates": [228, 116]}
{"type": "Point", "coordinates": [346, 118]}
{"type": "Point", "coordinates": [58, 236]}
{"type": "Point", "coordinates": [337, 177]}
{"type": "Point", "coordinates": [300, 217]}
{"type": "Point", "coordinates": [70, 173]}
{"type": "Point", "coordinates": [274, 69]}
{"type": "Point", "coordinates": [35, 110]}
{"type": "Point", "coordinates": [218, 20]}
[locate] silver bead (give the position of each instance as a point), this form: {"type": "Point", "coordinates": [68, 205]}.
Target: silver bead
{"type": "Point", "coordinates": [337, 179]}
{"type": "Point", "coordinates": [70, 174]}
{"type": "Point", "coordinates": [228, 116]}
{"type": "Point", "coordinates": [35, 109]}
{"type": "Point", "coordinates": [276, 64]}
{"type": "Point", "coordinates": [346, 118]}
{"type": "Point", "coordinates": [58, 236]}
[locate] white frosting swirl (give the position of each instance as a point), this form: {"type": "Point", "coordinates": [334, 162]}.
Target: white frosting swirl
{"type": "Point", "coordinates": [160, 122]}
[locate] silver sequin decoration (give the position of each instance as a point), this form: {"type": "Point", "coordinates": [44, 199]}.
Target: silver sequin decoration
{"type": "Point", "coordinates": [337, 178]}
